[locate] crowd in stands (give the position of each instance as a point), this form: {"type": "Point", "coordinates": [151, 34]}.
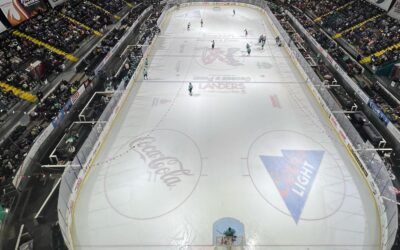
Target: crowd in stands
{"type": "Point", "coordinates": [392, 111]}
{"type": "Point", "coordinates": [95, 57]}
{"type": "Point", "coordinates": [350, 66]}
{"type": "Point", "coordinates": [86, 14]}
{"type": "Point", "coordinates": [345, 18]}
{"type": "Point", "coordinates": [379, 32]}
{"type": "Point", "coordinates": [6, 100]}
{"type": "Point", "coordinates": [337, 53]}
{"type": "Point", "coordinates": [134, 14]}
{"type": "Point", "coordinates": [13, 154]}
{"type": "Point", "coordinates": [391, 55]}
{"type": "Point", "coordinates": [55, 30]}
{"type": "Point", "coordinates": [113, 6]}
{"type": "Point", "coordinates": [17, 56]}
{"type": "Point", "coordinates": [375, 35]}
{"type": "Point", "coordinates": [49, 108]}
{"type": "Point", "coordinates": [321, 69]}
{"type": "Point", "coordinates": [319, 8]}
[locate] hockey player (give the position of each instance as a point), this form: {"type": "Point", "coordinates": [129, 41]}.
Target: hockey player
{"type": "Point", "coordinates": [190, 88]}
{"type": "Point", "coordinates": [146, 62]}
{"type": "Point", "coordinates": [245, 32]}
{"type": "Point", "coordinates": [201, 22]}
{"type": "Point", "coordinates": [248, 49]}
{"type": "Point", "coordinates": [262, 44]}
{"type": "Point", "coordinates": [188, 26]}
{"type": "Point", "coordinates": [212, 44]}
{"type": "Point", "coordinates": [278, 41]}
{"type": "Point", "coordinates": [145, 74]}
{"type": "Point", "coordinates": [234, 12]}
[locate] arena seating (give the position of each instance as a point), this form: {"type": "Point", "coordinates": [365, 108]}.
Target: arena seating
{"type": "Point", "coordinates": [319, 8]}
{"type": "Point", "coordinates": [347, 17]}
{"type": "Point", "coordinates": [86, 14]}
{"type": "Point", "coordinates": [113, 6]}
{"type": "Point", "coordinates": [376, 35]}
{"type": "Point", "coordinates": [95, 57]}
{"type": "Point", "coordinates": [16, 57]}
{"type": "Point", "coordinates": [363, 25]}
{"type": "Point", "coordinates": [58, 31]}
{"type": "Point", "coordinates": [328, 44]}
{"type": "Point", "coordinates": [391, 110]}
{"type": "Point", "coordinates": [65, 28]}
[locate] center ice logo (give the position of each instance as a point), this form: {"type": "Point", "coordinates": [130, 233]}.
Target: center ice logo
{"type": "Point", "coordinates": [294, 173]}
{"type": "Point", "coordinates": [209, 56]}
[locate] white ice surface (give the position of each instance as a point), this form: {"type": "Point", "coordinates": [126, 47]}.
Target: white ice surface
{"type": "Point", "coordinates": [242, 106]}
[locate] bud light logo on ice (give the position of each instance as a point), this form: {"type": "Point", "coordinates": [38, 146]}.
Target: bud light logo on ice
{"type": "Point", "coordinates": [293, 174]}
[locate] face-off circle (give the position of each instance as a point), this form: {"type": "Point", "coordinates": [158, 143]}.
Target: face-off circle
{"type": "Point", "coordinates": [157, 175]}
{"type": "Point", "coordinates": [296, 175]}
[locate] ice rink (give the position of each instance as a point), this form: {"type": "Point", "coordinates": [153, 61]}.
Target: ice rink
{"type": "Point", "coordinates": [250, 149]}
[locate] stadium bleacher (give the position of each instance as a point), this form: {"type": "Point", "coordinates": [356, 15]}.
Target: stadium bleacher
{"type": "Point", "coordinates": [26, 65]}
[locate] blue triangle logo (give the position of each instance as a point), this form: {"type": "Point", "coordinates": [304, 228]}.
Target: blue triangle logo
{"type": "Point", "coordinates": [294, 173]}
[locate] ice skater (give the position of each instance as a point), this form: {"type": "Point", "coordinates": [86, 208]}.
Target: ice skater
{"type": "Point", "coordinates": [278, 41]}
{"type": "Point", "coordinates": [234, 12]}
{"type": "Point", "coordinates": [201, 22]}
{"type": "Point", "coordinates": [145, 77]}
{"type": "Point", "coordinates": [262, 38]}
{"type": "Point", "coordinates": [212, 44]}
{"type": "Point", "coordinates": [190, 88]}
{"type": "Point", "coordinates": [188, 26]}
{"type": "Point", "coordinates": [248, 49]}
{"type": "Point", "coordinates": [246, 32]}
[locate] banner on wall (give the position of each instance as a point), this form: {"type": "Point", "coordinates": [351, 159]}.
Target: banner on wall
{"type": "Point", "coordinates": [395, 10]}
{"type": "Point", "coordinates": [383, 4]}
{"type": "Point", "coordinates": [18, 11]}
{"type": "Point", "coordinates": [2, 27]}
{"type": "Point", "coordinates": [54, 3]}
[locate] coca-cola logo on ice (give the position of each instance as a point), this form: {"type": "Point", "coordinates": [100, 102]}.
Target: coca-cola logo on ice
{"type": "Point", "coordinates": [168, 169]}
{"type": "Point", "coordinates": [152, 174]}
